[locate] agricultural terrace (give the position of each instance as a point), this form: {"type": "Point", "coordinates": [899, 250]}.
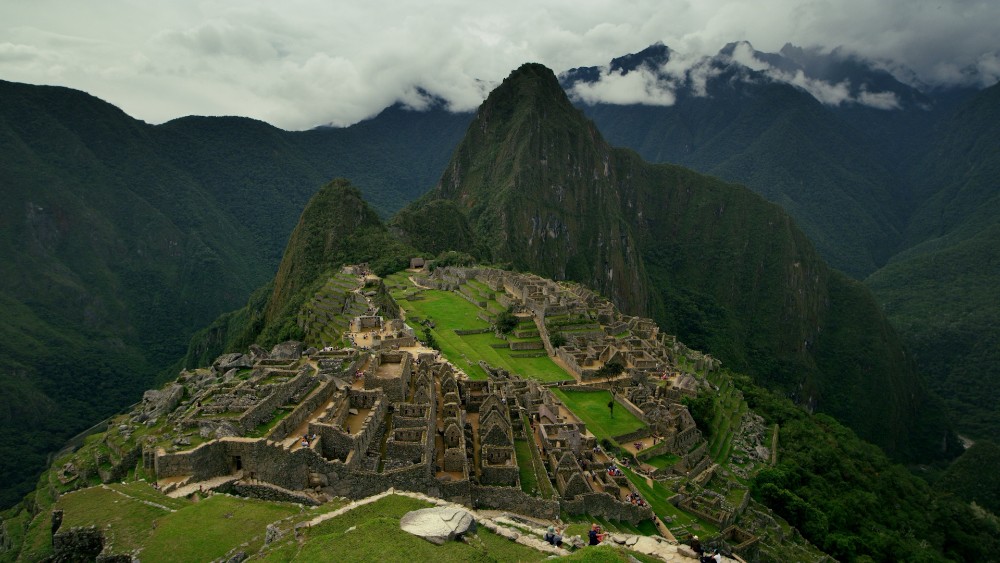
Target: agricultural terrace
{"type": "Point", "coordinates": [679, 523]}
{"type": "Point", "coordinates": [592, 408]}
{"type": "Point", "coordinates": [448, 311]}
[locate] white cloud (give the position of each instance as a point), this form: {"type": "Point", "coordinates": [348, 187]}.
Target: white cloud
{"type": "Point", "coordinates": [300, 63]}
{"type": "Point", "coordinates": [637, 87]}
{"type": "Point", "coordinates": [14, 53]}
{"type": "Point", "coordinates": [879, 100]}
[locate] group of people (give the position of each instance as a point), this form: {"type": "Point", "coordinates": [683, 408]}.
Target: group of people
{"type": "Point", "coordinates": [635, 499]}
{"type": "Point", "coordinates": [307, 440]}
{"type": "Point", "coordinates": [554, 535]}
{"type": "Point", "coordinates": [613, 471]}
{"type": "Point", "coordinates": [704, 556]}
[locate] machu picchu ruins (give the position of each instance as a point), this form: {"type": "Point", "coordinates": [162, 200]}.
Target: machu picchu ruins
{"type": "Point", "coordinates": [592, 427]}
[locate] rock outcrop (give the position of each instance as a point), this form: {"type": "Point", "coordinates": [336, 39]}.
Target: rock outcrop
{"type": "Point", "coordinates": [438, 524]}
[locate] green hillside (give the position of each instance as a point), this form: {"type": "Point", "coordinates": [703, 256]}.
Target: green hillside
{"type": "Point", "coordinates": [784, 145]}
{"type": "Point", "coordinates": [941, 292]}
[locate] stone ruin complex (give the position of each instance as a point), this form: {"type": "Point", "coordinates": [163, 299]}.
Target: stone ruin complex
{"type": "Point", "coordinates": [308, 424]}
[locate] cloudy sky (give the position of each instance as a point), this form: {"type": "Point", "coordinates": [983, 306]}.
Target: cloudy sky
{"type": "Point", "coordinates": [299, 63]}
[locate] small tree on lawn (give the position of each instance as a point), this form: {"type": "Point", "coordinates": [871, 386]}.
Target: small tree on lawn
{"type": "Point", "coordinates": [506, 322]}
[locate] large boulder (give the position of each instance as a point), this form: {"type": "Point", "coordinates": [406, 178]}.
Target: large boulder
{"type": "Point", "coordinates": [157, 402]}
{"type": "Point", "coordinates": [227, 362]}
{"type": "Point", "coordinates": [290, 350]}
{"type": "Point", "coordinates": [439, 524]}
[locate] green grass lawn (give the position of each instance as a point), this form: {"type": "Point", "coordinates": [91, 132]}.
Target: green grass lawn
{"type": "Point", "coordinates": [451, 312]}
{"type": "Point", "coordinates": [194, 531]}
{"type": "Point", "coordinates": [371, 533]}
{"type": "Point", "coordinates": [209, 529]}
{"type": "Point", "coordinates": [663, 460]}
{"type": "Point", "coordinates": [592, 408]}
{"type": "Point", "coordinates": [525, 468]}
{"type": "Point", "coordinates": [126, 523]}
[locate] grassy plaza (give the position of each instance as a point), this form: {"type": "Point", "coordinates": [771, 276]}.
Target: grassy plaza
{"type": "Point", "coordinates": [592, 408]}
{"type": "Point", "coordinates": [450, 312]}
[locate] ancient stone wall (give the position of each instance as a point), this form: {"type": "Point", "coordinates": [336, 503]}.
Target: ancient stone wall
{"type": "Point", "coordinates": [264, 409]}
{"type": "Point", "coordinates": [637, 435]}
{"type": "Point", "coordinates": [204, 462]}
{"type": "Point", "coordinates": [514, 500]}
{"type": "Point", "coordinates": [265, 491]}
{"type": "Point", "coordinates": [334, 443]}
{"type": "Point", "coordinates": [295, 418]}
{"type": "Point", "coordinates": [270, 462]}
{"type": "Point", "coordinates": [77, 544]}
{"type": "Point", "coordinates": [632, 408]}
{"type": "Point", "coordinates": [454, 458]}
{"type": "Point", "coordinates": [400, 447]}
{"type": "Point", "coordinates": [605, 506]}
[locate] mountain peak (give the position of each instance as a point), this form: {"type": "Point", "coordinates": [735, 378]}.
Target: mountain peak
{"type": "Point", "coordinates": [532, 84]}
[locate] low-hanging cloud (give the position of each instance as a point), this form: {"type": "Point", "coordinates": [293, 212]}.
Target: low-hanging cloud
{"type": "Point", "coordinates": [306, 62]}
{"type": "Point", "coordinates": [638, 87]}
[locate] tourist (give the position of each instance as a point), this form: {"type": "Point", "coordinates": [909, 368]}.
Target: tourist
{"type": "Point", "coordinates": [595, 535]}
{"type": "Point", "coordinates": [550, 535]}
{"type": "Point", "coordinates": [558, 539]}
{"type": "Point", "coordinates": [695, 545]}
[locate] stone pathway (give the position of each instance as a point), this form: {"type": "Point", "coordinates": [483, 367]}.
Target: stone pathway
{"type": "Point", "coordinates": [205, 485]}
{"type": "Point", "coordinates": [524, 534]}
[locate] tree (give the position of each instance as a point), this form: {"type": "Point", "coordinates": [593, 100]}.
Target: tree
{"type": "Point", "coordinates": [558, 339]}
{"type": "Point", "coordinates": [611, 369]}
{"type": "Point", "coordinates": [429, 339]}
{"type": "Point", "coordinates": [506, 321]}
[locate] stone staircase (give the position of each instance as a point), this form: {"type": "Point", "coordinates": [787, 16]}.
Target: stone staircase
{"type": "Point", "coordinates": [189, 488]}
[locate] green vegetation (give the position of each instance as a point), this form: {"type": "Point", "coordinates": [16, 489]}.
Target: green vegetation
{"type": "Point", "coordinates": [506, 322]}
{"type": "Point", "coordinates": [662, 461]}
{"type": "Point", "coordinates": [135, 517]}
{"type": "Point", "coordinates": [847, 498]}
{"type": "Point", "coordinates": [450, 312]}
{"type": "Point", "coordinates": [967, 476]}
{"type": "Point", "coordinates": [592, 408]}
{"type": "Point", "coordinates": [680, 522]}
{"type": "Point", "coordinates": [212, 527]}
{"type": "Point", "coordinates": [525, 466]}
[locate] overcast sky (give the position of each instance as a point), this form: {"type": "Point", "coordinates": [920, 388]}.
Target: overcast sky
{"type": "Point", "coordinates": [299, 63]}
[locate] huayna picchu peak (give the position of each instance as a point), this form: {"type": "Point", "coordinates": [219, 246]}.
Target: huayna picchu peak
{"type": "Point", "coordinates": [711, 261]}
